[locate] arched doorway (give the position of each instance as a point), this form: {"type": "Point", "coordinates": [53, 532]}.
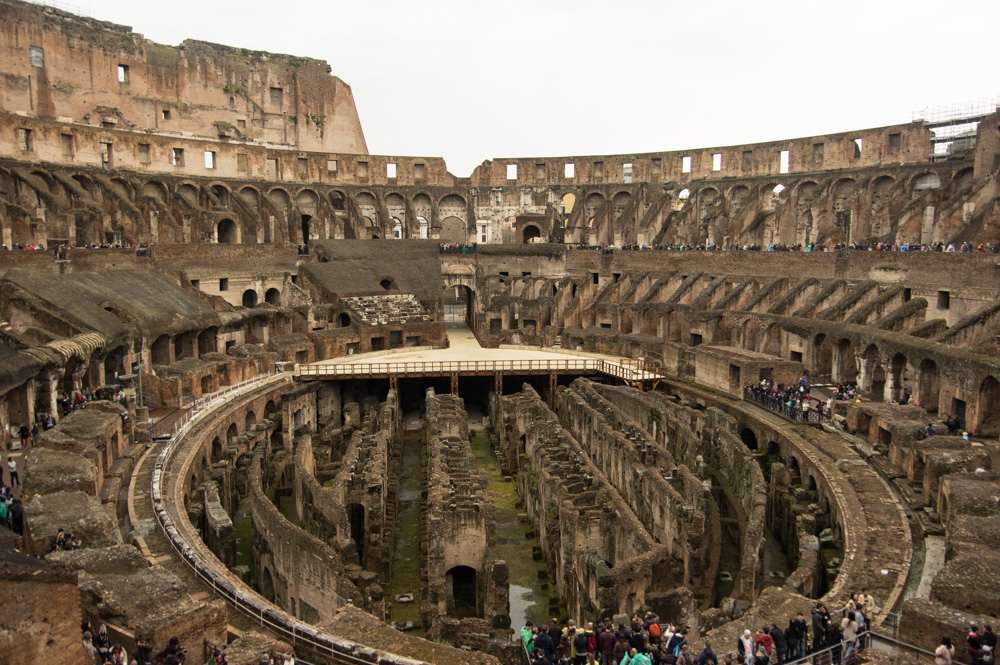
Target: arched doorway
{"type": "Point", "coordinates": [267, 585]}
{"type": "Point", "coordinates": [748, 438]}
{"type": "Point", "coordinates": [847, 363]}
{"type": "Point", "coordinates": [356, 517]}
{"type": "Point", "coordinates": [343, 320]}
{"type": "Point", "coordinates": [216, 449]}
{"type": "Point", "coordinates": [249, 298]}
{"type": "Point", "coordinates": [232, 434]}
{"type": "Point", "coordinates": [305, 229]}
{"type": "Point", "coordinates": [273, 297]}
{"type": "Point", "coordinates": [460, 583]}
{"type": "Point", "coordinates": [822, 357]}
{"type": "Point", "coordinates": [928, 386]}
{"type": "Point", "coordinates": [459, 304]}
{"type": "Point", "coordinates": [987, 414]}
{"type": "Point", "coordinates": [226, 232]}
{"type": "Point", "coordinates": [530, 233]}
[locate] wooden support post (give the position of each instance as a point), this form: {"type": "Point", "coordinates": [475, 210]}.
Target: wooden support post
{"type": "Point", "coordinates": [553, 382]}
{"type": "Point", "coordinates": [498, 384]}
{"type": "Point", "coordinates": [454, 383]}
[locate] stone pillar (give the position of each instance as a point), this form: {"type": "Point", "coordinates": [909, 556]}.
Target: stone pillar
{"type": "Point", "coordinates": [927, 229]}
{"type": "Point", "coordinates": [496, 608]}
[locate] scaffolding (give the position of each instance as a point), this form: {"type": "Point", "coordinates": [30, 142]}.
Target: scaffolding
{"type": "Point", "coordinates": [953, 127]}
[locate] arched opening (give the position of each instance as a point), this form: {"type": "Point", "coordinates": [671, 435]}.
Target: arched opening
{"type": "Point", "coordinates": [269, 408]}
{"type": "Point", "coordinates": [114, 363]}
{"type": "Point", "coordinates": [226, 232]}
{"type": "Point", "coordinates": [273, 297]}
{"type": "Point", "coordinates": [453, 230]}
{"type": "Point", "coordinates": [232, 434]}
{"type": "Point", "coordinates": [458, 304]}
{"type": "Point", "coordinates": [184, 346]}
{"type": "Point", "coordinates": [900, 391]}
{"type": "Point", "coordinates": [343, 320]}
{"type": "Point", "coordinates": [989, 419]}
{"type": "Point", "coordinates": [847, 363]}
{"type": "Point", "coordinates": [878, 384]}
{"type": "Point", "coordinates": [389, 284]}
{"type": "Point", "coordinates": [793, 468]}
{"type": "Point", "coordinates": [159, 351]}
{"type": "Point", "coordinates": [249, 421]}
{"type": "Point", "coordinates": [530, 233]}
{"type": "Point", "coordinates": [305, 229]}
{"type": "Point", "coordinates": [206, 385]}
{"type": "Point", "coordinates": [460, 583]}
{"type": "Point", "coordinates": [216, 449]}
{"type": "Point", "coordinates": [267, 585]}
{"type": "Point", "coordinates": [748, 438]}
{"type": "Point", "coordinates": [356, 517]}
{"type": "Point", "coordinates": [249, 298]}
{"type": "Point", "coordinates": [928, 386]}
{"type": "Point", "coordinates": [822, 357]}
{"type": "Point", "coordinates": [207, 341]}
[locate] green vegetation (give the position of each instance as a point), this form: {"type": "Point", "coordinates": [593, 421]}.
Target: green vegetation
{"type": "Point", "coordinates": [407, 562]}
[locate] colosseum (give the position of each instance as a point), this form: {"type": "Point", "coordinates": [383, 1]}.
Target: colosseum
{"type": "Point", "coordinates": [269, 393]}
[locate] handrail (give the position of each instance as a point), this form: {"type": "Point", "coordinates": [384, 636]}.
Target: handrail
{"type": "Point", "coordinates": [625, 368]}
{"type": "Point", "coordinates": [260, 610]}
{"type": "Point", "coordinates": [778, 406]}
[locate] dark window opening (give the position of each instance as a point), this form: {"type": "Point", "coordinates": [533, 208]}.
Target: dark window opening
{"type": "Point", "coordinates": [907, 294]}
{"type": "Point", "coordinates": [944, 300]}
{"type": "Point", "coordinates": [395, 339]}
{"type": "Point", "coordinates": [595, 277]}
{"type": "Point", "coordinates": [796, 356]}
{"type": "Point", "coordinates": [224, 284]}
{"type": "Point", "coordinates": [695, 339]}
{"type": "Point", "coordinates": [378, 343]}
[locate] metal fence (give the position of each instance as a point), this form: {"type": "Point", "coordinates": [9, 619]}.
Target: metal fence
{"type": "Point", "coordinates": [773, 403]}
{"type": "Point", "coordinates": [625, 369]}
{"type": "Point", "coordinates": [170, 428]}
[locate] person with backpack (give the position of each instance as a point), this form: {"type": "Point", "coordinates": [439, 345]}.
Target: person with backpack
{"type": "Point", "coordinates": [653, 627]}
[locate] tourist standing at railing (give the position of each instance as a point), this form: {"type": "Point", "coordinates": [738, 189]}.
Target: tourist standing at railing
{"type": "Point", "coordinates": [945, 652]}
{"type": "Point", "coordinates": [797, 637]}
{"type": "Point", "coordinates": [849, 630]}
{"type": "Point", "coordinates": [745, 647]}
{"type": "Point", "coordinates": [819, 624]}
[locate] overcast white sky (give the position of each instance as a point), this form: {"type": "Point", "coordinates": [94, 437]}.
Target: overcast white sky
{"type": "Point", "coordinates": [470, 80]}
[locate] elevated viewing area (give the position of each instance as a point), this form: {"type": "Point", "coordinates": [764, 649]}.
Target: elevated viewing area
{"type": "Point", "coordinates": [266, 393]}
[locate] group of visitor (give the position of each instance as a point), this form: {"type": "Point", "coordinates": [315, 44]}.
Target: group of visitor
{"type": "Point", "coordinates": [793, 402]}
{"type": "Point", "coordinates": [964, 247]}
{"type": "Point", "coordinates": [11, 511]}
{"type": "Point", "coordinates": [645, 641]}
{"type": "Point", "coordinates": [302, 250]}
{"type": "Point", "coordinates": [981, 647]}
{"type": "Point", "coordinates": [457, 248]}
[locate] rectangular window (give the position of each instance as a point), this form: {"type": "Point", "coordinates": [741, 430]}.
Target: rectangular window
{"type": "Point", "coordinates": [390, 170]}
{"type": "Point", "coordinates": [165, 114]}
{"type": "Point", "coordinates": [123, 74]}
{"type": "Point", "coordinates": [107, 155]}
{"type": "Point", "coordinates": [419, 171]}
{"type": "Point", "coordinates": [277, 97]}
{"type": "Point", "coordinates": [24, 139]}
{"type": "Point", "coordinates": [627, 172]}
{"type": "Point", "coordinates": [331, 166]}
{"type": "Point", "coordinates": [907, 294]}
{"type": "Point", "coordinates": [177, 157]}
{"type": "Point", "coordinates": [747, 161]}
{"type": "Point", "coordinates": [817, 154]}
{"type": "Point", "coordinates": [224, 284]}
{"type": "Point", "coordinates": [209, 159]}
{"type": "Point", "coordinates": [695, 339]}
{"type": "Point", "coordinates": [944, 300]}
{"type": "Point", "coordinates": [196, 283]}
{"type": "Point", "coordinates": [37, 56]}
{"type": "Point", "coordinates": [303, 165]}
{"type": "Point", "coordinates": [796, 356]}
{"type": "Point", "coordinates": [785, 159]}
{"type": "Point", "coordinates": [67, 145]}
{"type": "Point", "coordinates": [895, 143]}
{"type": "Point", "coordinates": [717, 161]}
{"type": "Point", "coordinates": [271, 169]}
{"type": "Point", "coordinates": [144, 155]}
{"type": "Point", "coordinates": [540, 172]}
{"type": "Point", "coordinates": [569, 170]}
{"type": "Point", "coordinates": [657, 165]}
{"type": "Point", "coordinates": [685, 165]}
{"type": "Point", "coordinates": [598, 170]}
{"type": "Point", "coordinates": [362, 172]}
{"type": "Point", "coordinates": [241, 125]}
{"type": "Point", "coordinates": [512, 172]}
{"type": "Point", "coordinates": [595, 278]}
{"type": "Point", "coordinates": [242, 163]}
{"type": "Point", "coordinates": [859, 145]}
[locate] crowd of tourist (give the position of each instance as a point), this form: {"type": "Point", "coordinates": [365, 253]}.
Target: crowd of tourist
{"type": "Point", "coordinates": [457, 248]}
{"type": "Point", "coordinates": [793, 402]}
{"type": "Point", "coordinates": [11, 511]}
{"type": "Point", "coordinates": [645, 641]}
{"type": "Point", "coordinates": [965, 247]}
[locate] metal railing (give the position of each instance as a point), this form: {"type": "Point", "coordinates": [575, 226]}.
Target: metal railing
{"type": "Point", "coordinates": [626, 369]}
{"type": "Point", "coordinates": [266, 614]}
{"type": "Point", "coordinates": [158, 431]}
{"type": "Point", "coordinates": [776, 404]}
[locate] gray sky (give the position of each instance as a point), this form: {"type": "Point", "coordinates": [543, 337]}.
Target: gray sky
{"type": "Point", "coordinates": [470, 80]}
